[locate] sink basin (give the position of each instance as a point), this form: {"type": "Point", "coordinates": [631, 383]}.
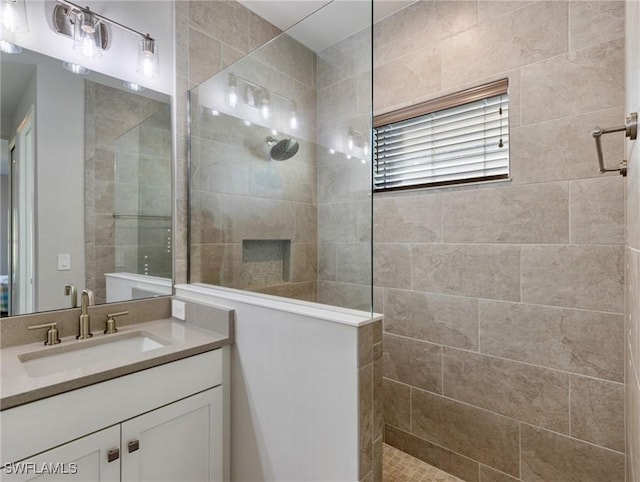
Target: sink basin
{"type": "Point", "coordinates": [81, 354]}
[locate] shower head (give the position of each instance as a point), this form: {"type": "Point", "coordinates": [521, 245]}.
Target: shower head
{"type": "Point", "coordinates": [283, 149]}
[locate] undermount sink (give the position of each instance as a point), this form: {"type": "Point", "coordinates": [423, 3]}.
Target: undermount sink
{"type": "Point", "coordinates": [74, 354]}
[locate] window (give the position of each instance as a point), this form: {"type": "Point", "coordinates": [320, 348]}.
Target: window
{"type": "Point", "coordinates": [460, 138]}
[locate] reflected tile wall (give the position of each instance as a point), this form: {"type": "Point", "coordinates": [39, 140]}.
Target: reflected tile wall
{"type": "Point", "coordinates": [504, 329]}
{"type": "Point", "coordinates": [127, 171]}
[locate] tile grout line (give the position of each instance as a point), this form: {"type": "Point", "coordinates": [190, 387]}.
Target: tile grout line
{"type": "Point", "coordinates": [494, 300]}
{"type": "Point", "coordinates": [490, 355]}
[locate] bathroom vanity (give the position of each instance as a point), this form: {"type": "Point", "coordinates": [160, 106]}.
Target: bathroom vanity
{"type": "Point", "coordinates": [149, 405]}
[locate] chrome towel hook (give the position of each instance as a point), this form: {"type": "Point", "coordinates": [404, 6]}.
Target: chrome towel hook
{"type": "Point", "coordinates": [630, 129]}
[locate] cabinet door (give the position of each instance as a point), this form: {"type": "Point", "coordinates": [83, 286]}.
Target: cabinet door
{"type": "Point", "coordinates": [83, 460]}
{"type": "Point", "coordinates": [177, 443]}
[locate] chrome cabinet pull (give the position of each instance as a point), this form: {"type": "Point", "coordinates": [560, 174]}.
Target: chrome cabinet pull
{"type": "Point", "coordinates": [630, 129]}
{"type": "Point", "coordinates": [133, 445]}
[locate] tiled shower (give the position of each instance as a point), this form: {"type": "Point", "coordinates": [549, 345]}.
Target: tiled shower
{"type": "Point", "coordinates": [504, 303]}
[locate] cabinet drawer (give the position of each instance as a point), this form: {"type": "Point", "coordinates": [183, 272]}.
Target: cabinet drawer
{"type": "Point", "coordinates": [35, 427]}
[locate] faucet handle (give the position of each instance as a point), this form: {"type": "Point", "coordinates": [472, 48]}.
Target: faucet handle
{"type": "Point", "coordinates": [111, 322]}
{"type": "Point", "coordinates": [52, 333]}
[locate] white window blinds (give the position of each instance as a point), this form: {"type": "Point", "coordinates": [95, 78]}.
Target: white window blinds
{"type": "Point", "coordinates": [466, 141]}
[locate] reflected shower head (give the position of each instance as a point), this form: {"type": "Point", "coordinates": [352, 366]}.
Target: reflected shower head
{"type": "Point", "coordinates": [283, 149]}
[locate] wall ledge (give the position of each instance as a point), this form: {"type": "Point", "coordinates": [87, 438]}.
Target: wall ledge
{"type": "Point", "coordinates": [335, 314]}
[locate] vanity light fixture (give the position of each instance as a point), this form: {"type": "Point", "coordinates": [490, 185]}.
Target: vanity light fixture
{"type": "Point", "coordinates": [258, 97]}
{"type": "Point", "coordinates": [91, 36]}
{"type": "Point", "coordinates": [75, 68]}
{"type": "Point", "coordinates": [13, 15]}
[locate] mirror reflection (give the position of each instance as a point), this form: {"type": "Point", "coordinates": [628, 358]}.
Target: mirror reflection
{"type": "Point", "coordinates": [85, 187]}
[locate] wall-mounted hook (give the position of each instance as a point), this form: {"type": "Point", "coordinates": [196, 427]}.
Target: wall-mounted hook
{"type": "Point", "coordinates": [630, 129]}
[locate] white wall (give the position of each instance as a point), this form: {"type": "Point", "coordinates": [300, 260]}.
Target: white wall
{"type": "Point", "coordinates": [294, 383]}
{"type": "Point", "coordinates": [4, 222]}
{"type": "Point", "coordinates": [152, 16]}
{"type": "Point", "coordinates": [60, 183]}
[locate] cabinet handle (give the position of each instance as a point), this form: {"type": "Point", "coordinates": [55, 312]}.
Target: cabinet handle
{"type": "Point", "coordinates": [113, 454]}
{"type": "Point", "coordinates": [133, 445]}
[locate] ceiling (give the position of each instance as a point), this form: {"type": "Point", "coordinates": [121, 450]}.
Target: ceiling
{"type": "Point", "coordinates": [332, 21]}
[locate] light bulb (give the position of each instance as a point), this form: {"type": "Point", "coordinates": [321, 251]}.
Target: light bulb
{"type": "Point", "coordinates": [332, 151]}
{"type": "Point", "coordinates": [148, 63]}
{"type": "Point", "coordinates": [87, 35]}
{"type": "Point", "coordinates": [274, 132]}
{"type": "Point", "coordinates": [233, 91]}
{"type": "Point", "coordinates": [13, 15]}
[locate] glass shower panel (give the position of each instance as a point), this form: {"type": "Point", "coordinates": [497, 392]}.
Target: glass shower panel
{"type": "Point", "coordinates": [280, 181]}
{"type": "Point", "coordinates": [142, 221]}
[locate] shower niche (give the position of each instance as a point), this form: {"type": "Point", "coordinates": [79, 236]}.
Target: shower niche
{"type": "Point", "coordinates": [280, 191]}
{"type": "Point", "coordinates": [265, 262]}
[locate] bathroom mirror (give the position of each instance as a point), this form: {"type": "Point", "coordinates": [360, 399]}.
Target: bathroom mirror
{"type": "Point", "coordinates": [86, 187]}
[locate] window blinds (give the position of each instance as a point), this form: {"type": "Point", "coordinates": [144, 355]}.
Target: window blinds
{"type": "Point", "coordinates": [466, 142]}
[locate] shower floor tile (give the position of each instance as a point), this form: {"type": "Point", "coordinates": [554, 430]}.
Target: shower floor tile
{"type": "Point", "coordinates": [398, 466]}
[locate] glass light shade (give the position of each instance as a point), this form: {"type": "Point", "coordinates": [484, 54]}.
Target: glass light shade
{"type": "Point", "coordinates": [148, 62]}
{"type": "Point", "coordinates": [87, 35]}
{"type": "Point", "coordinates": [13, 14]}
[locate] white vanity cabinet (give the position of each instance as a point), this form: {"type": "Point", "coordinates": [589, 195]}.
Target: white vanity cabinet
{"type": "Point", "coordinates": [169, 427]}
{"type": "Point", "coordinates": [179, 442]}
{"type": "Point", "coordinates": [83, 460]}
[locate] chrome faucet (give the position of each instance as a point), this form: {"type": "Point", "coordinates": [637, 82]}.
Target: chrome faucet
{"type": "Point", "coordinates": [84, 328]}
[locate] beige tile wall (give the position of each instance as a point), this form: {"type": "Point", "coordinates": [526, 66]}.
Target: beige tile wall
{"type": "Point", "coordinates": [344, 181]}
{"type": "Point", "coordinates": [632, 286]}
{"type": "Point", "coordinates": [504, 327]}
